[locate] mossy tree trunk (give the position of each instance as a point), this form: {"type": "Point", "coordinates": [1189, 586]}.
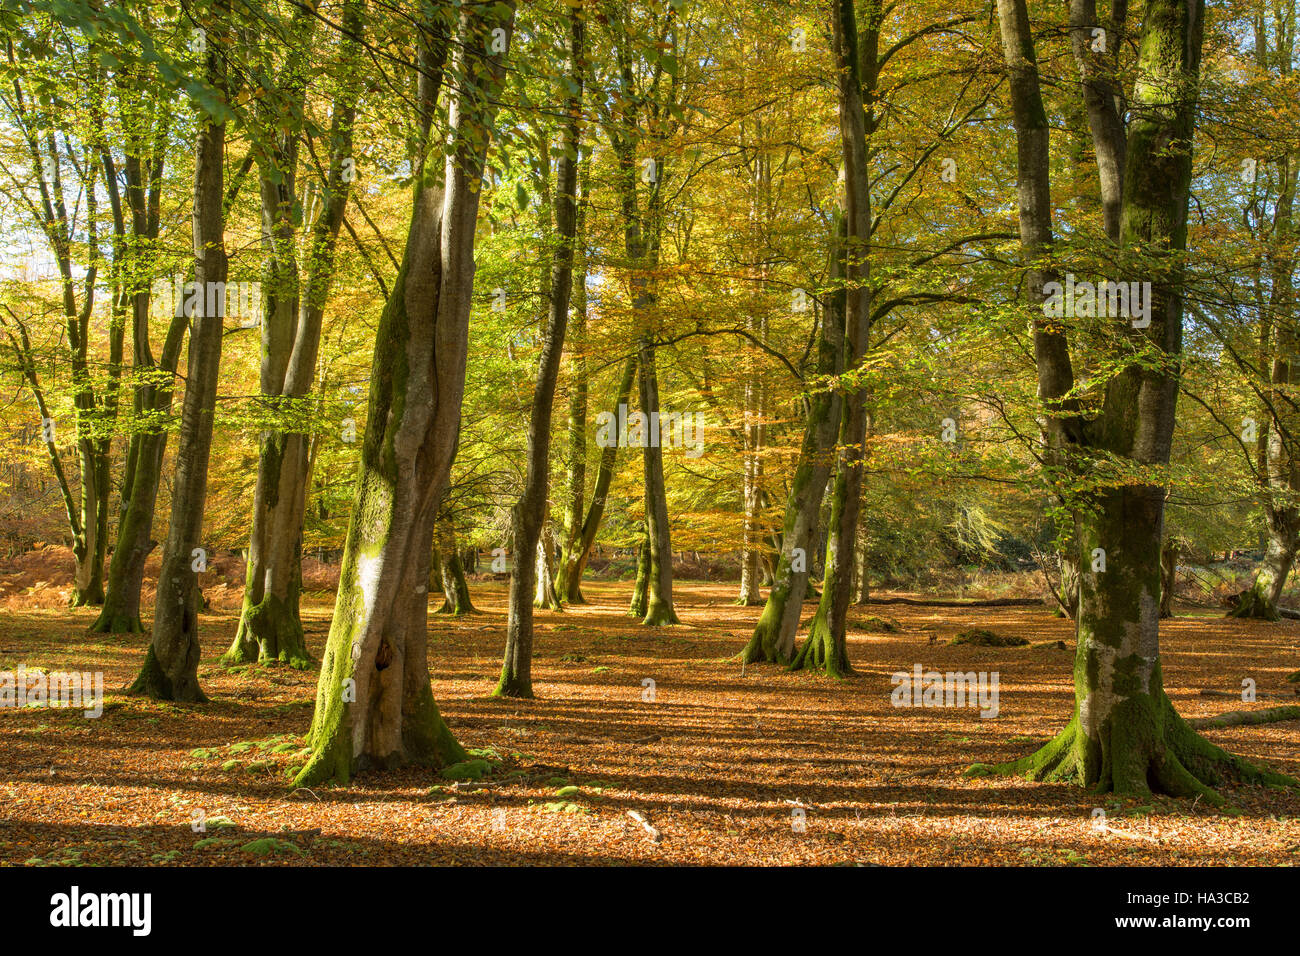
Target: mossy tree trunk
{"type": "Point", "coordinates": [1125, 736]}
{"type": "Point", "coordinates": [1168, 576]}
{"type": "Point", "coordinates": [826, 648]}
{"type": "Point", "coordinates": [170, 670]}
{"type": "Point", "coordinates": [374, 706]}
{"type": "Point", "coordinates": [641, 587]}
{"type": "Point", "coordinates": [773, 639]}
{"type": "Point", "coordinates": [451, 572]}
{"type": "Point", "coordinates": [270, 629]}
{"type": "Point", "coordinates": [659, 608]}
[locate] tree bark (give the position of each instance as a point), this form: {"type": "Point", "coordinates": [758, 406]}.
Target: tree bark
{"type": "Point", "coordinates": [530, 512]}
{"type": "Point", "coordinates": [374, 707]}
{"type": "Point", "coordinates": [270, 629]}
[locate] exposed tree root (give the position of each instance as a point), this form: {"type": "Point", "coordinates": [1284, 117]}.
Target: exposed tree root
{"type": "Point", "coordinates": [1241, 718]}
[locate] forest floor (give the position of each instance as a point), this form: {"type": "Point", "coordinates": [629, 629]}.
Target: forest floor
{"type": "Point", "coordinates": [729, 764]}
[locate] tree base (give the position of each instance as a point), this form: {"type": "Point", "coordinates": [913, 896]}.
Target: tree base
{"type": "Point", "coordinates": [456, 611]}
{"type": "Point", "coordinates": [269, 633]}
{"type": "Point", "coordinates": [427, 741]}
{"type": "Point", "coordinates": [154, 683]}
{"type": "Point", "coordinates": [660, 614]}
{"type": "Point", "coordinates": [513, 686]}
{"type": "Point", "coordinates": [116, 622]}
{"type": "Point", "coordinates": [822, 652]}
{"type": "Point", "coordinates": [91, 597]}
{"type": "Point", "coordinates": [1146, 748]}
{"type": "Point", "coordinates": [1255, 606]}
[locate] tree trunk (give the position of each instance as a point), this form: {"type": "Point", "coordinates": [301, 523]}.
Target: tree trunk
{"type": "Point", "coordinates": [270, 629]}
{"type": "Point", "coordinates": [659, 574]}
{"type": "Point", "coordinates": [545, 594]}
{"type": "Point", "coordinates": [574, 559]}
{"type": "Point", "coordinates": [171, 665]}
{"type": "Point", "coordinates": [642, 586]}
{"type": "Point", "coordinates": [773, 639]}
{"type": "Point", "coordinates": [1260, 600]}
{"type": "Point", "coordinates": [451, 575]}
{"type": "Point", "coordinates": [1168, 576]}
{"type": "Point", "coordinates": [374, 707]}
{"type": "Point", "coordinates": [826, 647]}
{"type": "Point", "coordinates": [567, 585]}
{"type": "Point", "coordinates": [530, 511]}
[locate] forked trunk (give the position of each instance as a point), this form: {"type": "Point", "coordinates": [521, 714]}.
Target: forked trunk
{"type": "Point", "coordinates": [374, 706]}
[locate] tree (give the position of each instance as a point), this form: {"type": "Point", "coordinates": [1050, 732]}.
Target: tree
{"type": "Point", "coordinates": [530, 510]}
{"type": "Point", "coordinates": [171, 664]}
{"type": "Point", "coordinates": [374, 706]}
{"type": "Point", "coordinates": [269, 625]}
{"type": "Point", "coordinates": [1125, 736]}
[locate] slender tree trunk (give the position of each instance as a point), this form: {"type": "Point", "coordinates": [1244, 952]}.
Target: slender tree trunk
{"type": "Point", "coordinates": [270, 629]}
{"type": "Point", "coordinates": [451, 575]}
{"type": "Point", "coordinates": [170, 670]}
{"type": "Point", "coordinates": [529, 513]}
{"type": "Point", "coordinates": [574, 559]}
{"type": "Point", "coordinates": [1168, 576]}
{"type": "Point", "coordinates": [659, 575]}
{"type": "Point", "coordinates": [546, 595]}
{"type": "Point", "coordinates": [374, 707]}
{"type": "Point", "coordinates": [567, 585]}
{"type": "Point", "coordinates": [641, 588]}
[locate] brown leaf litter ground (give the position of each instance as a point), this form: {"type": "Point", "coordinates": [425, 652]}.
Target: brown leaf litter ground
{"type": "Point", "coordinates": [725, 763]}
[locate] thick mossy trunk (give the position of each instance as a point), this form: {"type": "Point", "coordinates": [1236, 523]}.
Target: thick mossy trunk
{"type": "Point", "coordinates": [374, 706]}
{"type": "Point", "coordinates": [826, 647]}
{"type": "Point", "coordinates": [1125, 736]}
{"type": "Point", "coordinates": [121, 611]}
{"type": "Point", "coordinates": [270, 630]}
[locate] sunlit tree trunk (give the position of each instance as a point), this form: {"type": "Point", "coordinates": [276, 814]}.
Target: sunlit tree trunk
{"type": "Point", "coordinates": [170, 670]}
{"type": "Point", "coordinates": [374, 706]}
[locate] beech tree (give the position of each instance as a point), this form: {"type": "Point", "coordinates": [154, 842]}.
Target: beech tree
{"type": "Point", "coordinates": [374, 706]}
{"type": "Point", "coordinates": [1125, 735]}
